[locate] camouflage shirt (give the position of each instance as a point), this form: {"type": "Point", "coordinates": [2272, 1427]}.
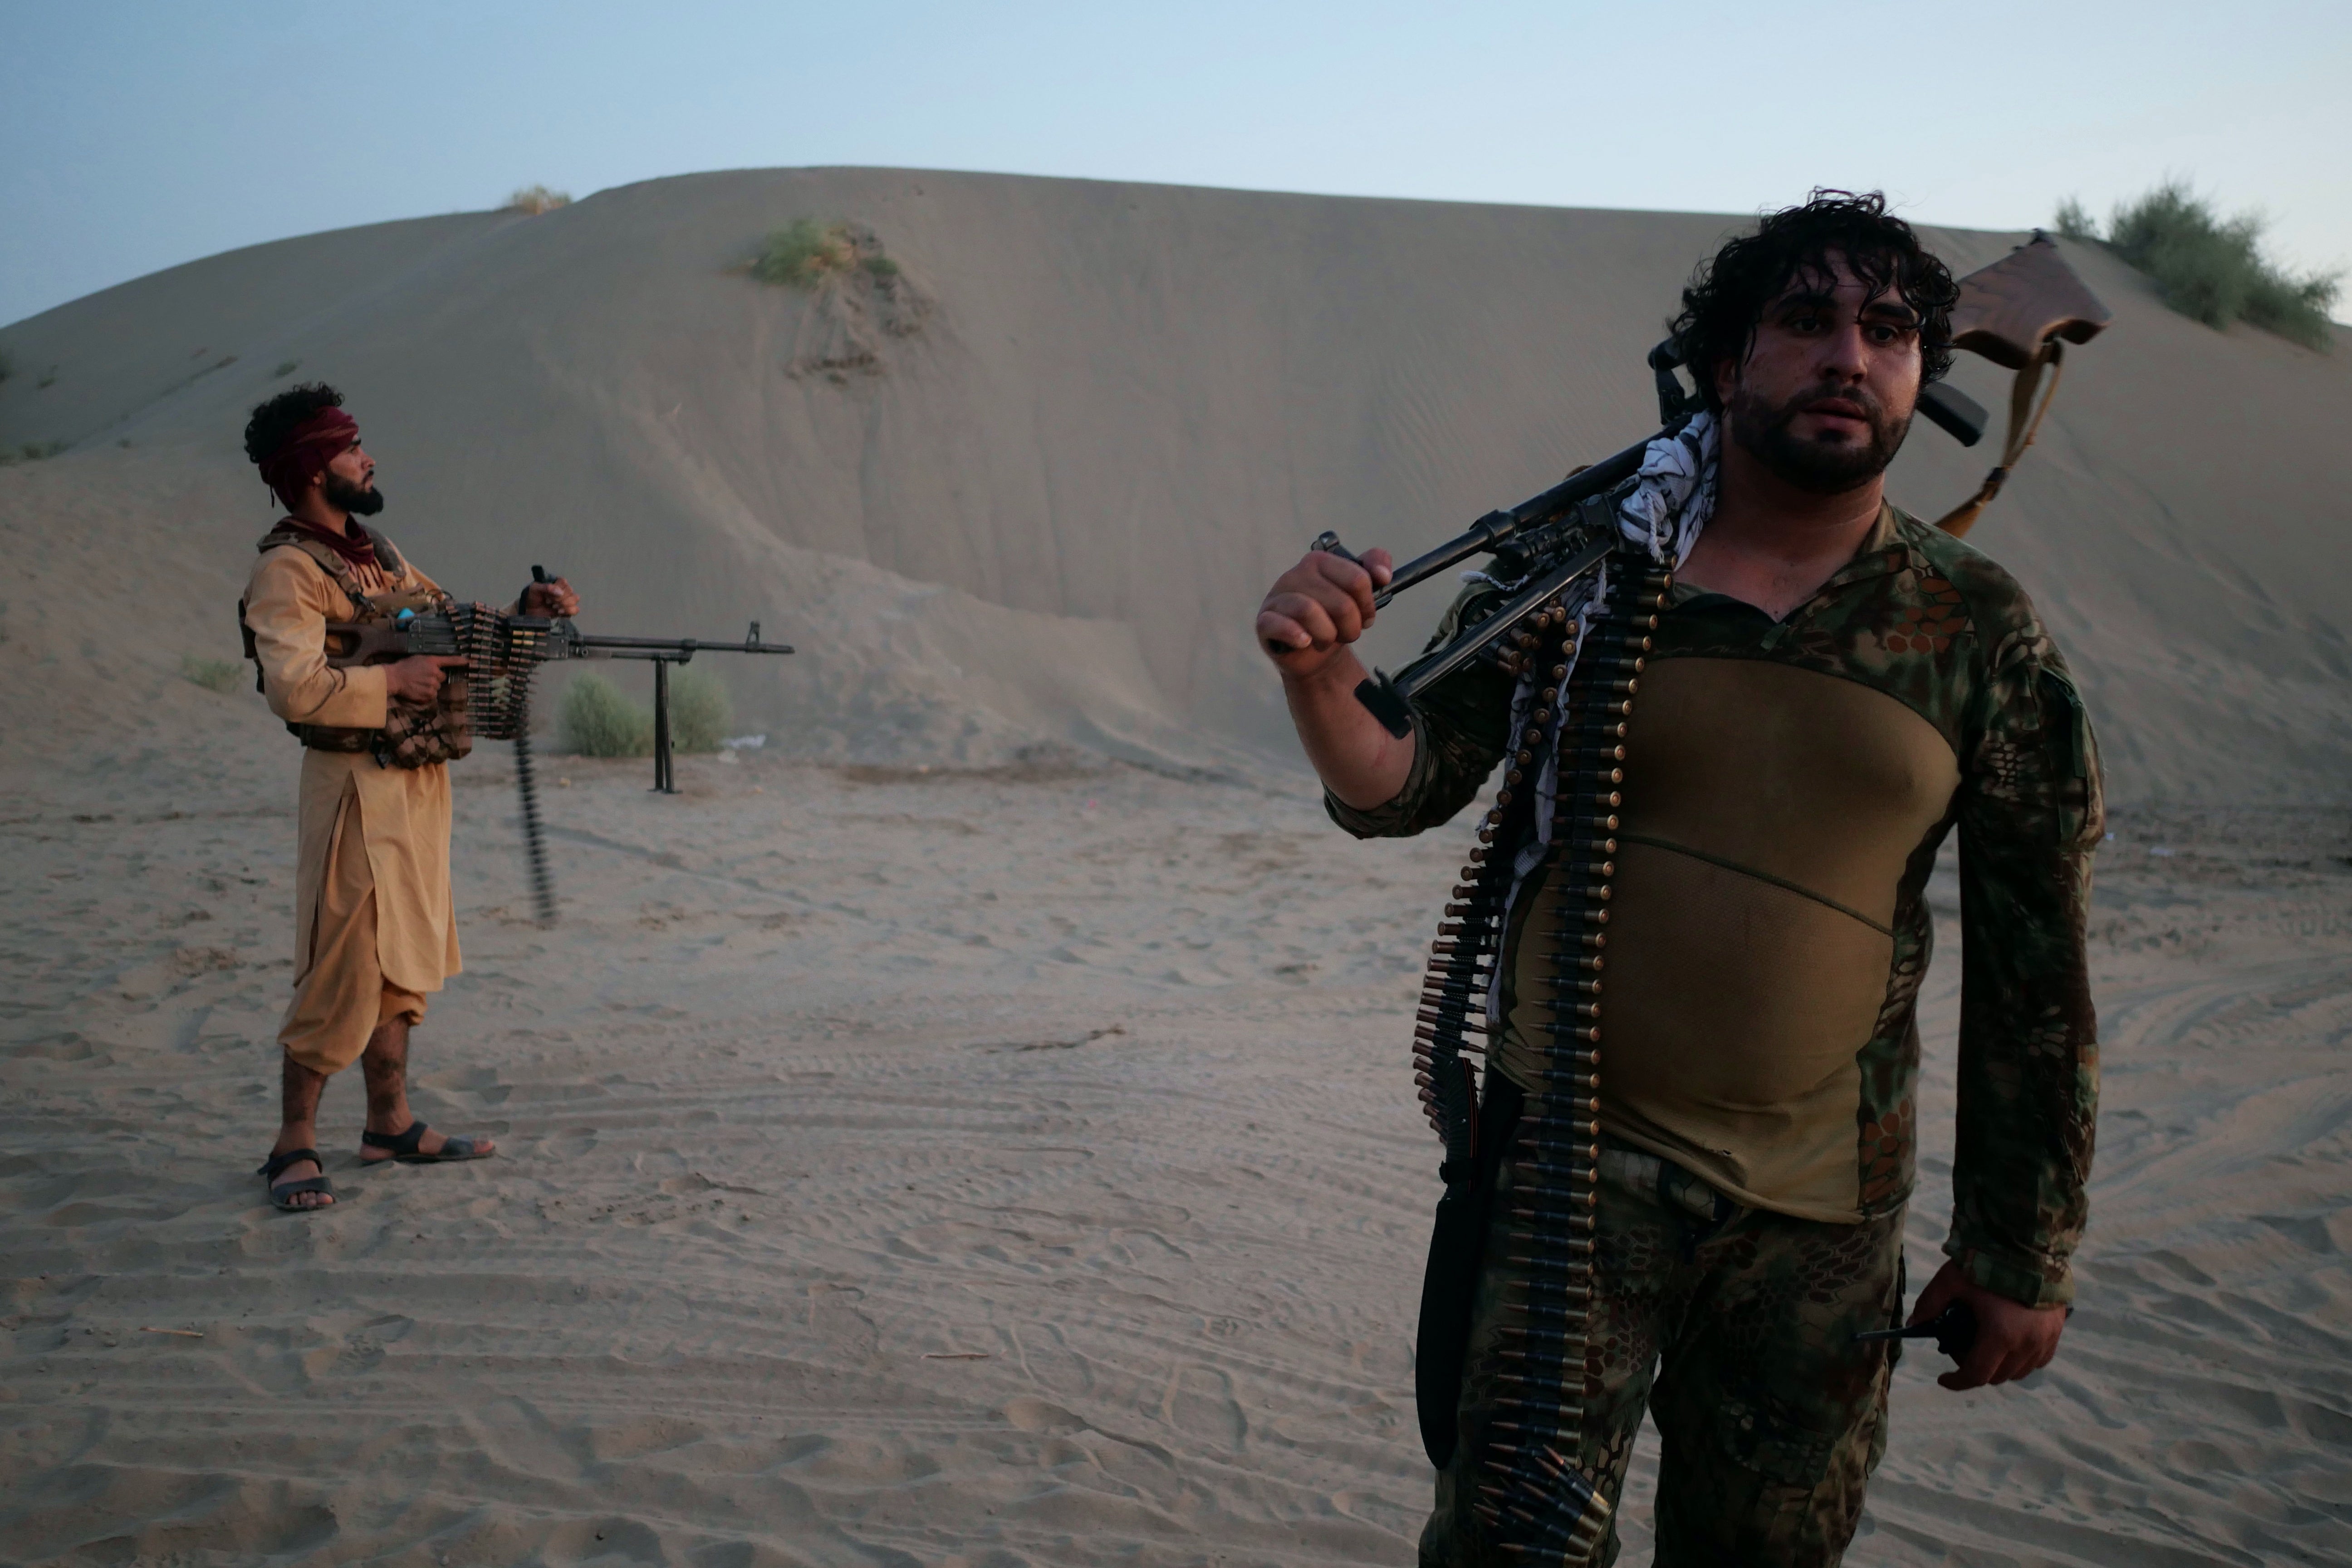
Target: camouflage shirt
{"type": "Point", "coordinates": [1921, 617]}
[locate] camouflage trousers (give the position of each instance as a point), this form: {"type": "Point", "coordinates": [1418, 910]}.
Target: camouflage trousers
{"type": "Point", "coordinates": [1733, 1326]}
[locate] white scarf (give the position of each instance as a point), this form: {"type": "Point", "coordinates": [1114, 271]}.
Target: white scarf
{"type": "Point", "coordinates": [1672, 499]}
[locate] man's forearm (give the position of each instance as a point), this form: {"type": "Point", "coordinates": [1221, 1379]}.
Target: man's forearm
{"type": "Point", "coordinates": [1357, 760]}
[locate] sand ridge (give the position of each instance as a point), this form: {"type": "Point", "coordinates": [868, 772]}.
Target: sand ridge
{"type": "Point", "coordinates": [1127, 408]}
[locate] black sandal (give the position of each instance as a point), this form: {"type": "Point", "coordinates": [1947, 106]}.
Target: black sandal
{"type": "Point", "coordinates": [283, 1194]}
{"type": "Point", "coordinates": [404, 1151]}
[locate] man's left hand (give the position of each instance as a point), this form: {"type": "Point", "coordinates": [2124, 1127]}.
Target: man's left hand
{"type": "Point", "coordinates": [551, 601]}
{"type": "Point", "coordinates": [2011, 1339]}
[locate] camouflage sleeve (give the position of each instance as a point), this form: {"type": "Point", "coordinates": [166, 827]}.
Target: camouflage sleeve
{"type": "Point", "coordinates": [2030, 817]}
{"type": "Point", "coordinates": [1460, 727]}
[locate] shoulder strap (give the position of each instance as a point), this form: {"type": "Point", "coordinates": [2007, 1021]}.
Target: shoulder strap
{"type": "Point", "coordinates": [390, 560]}
{"type": "Point", "coordinates": [332, 564]}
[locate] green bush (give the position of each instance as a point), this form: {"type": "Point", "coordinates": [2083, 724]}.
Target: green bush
{"type": "Point", "coordinates": [805, 253]}
{"type": "Point", "coordinates": [2075, 221]}
{"type": "Point", "coordinates": [597, 719]}
{"type": "Point", "coordinates": [31, 452]}
{"type": "Point", "coordinates": [2212, 269]}
{"type": "Point", "coordinates": [212, 674]}
{"type": "Point", "coordinates": [698, 709]}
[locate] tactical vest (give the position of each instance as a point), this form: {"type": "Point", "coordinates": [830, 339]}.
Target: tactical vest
{"type": "Point", "coordinates": [415, 736]}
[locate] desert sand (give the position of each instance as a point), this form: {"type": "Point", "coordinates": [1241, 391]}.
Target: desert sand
{"type": "Point", "coordinates": [975, 1128]}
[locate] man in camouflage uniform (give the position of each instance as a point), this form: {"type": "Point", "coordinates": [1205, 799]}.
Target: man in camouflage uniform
{"type": "Point", "coordinates": [1834, 688]}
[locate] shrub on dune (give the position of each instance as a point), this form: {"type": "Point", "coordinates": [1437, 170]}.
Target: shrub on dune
{"type": "Point", "coordinates": [597, 719]}
{"type": "Point", "coordinates": [805, 253]}
{"type": "Point", "coordinates": [2209, 267]}
{"type": "Point", "coordinates": [699, 712]}
{"type": "Point", "coordinates": [537, 199]}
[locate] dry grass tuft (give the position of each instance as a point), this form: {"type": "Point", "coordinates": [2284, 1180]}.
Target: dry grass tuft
{"type": "Point", "coordinates": [538, 199]}
{"type": "Point", "coordinates": [219, 675]}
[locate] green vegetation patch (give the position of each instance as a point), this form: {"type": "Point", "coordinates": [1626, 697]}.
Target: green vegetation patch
{"type": "Point", "coordinates": [807, 251]}
{"type": "Point", "coordinates": [699, 712]}
{"type": "Point", "coordinates": [597, 719]}
{"type": "Point", "coordinates": [2209, 267]}
{"type": "Point", "coordinates": [220, 675]}
{"type": "Point", "coordinates": [31, 452]}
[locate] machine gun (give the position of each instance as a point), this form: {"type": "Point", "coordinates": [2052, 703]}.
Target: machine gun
{"type": "Point", "coordinates": [501, 653]}
{"type": "Point", "coordinates": [569, 641]}
{"type": "Point", "coordinates": [2014, 312]}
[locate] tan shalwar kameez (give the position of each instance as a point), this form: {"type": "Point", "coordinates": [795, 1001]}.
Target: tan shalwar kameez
{"type": "Point", "coordinates": [374, 929]}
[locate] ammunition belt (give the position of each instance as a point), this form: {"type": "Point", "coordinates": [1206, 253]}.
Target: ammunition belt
{"type": "Point", "coordinates": [1532, 1493]}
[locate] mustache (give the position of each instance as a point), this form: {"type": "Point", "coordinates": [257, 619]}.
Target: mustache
{"type": "Point", "coordinates": [1861, 397]}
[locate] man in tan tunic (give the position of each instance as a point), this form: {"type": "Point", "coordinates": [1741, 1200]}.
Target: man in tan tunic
{"type": "Point", "coordinates": [374, 928]}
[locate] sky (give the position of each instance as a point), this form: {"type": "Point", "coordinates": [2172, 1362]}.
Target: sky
{"type": "Point", "coordinates": [137, 136]}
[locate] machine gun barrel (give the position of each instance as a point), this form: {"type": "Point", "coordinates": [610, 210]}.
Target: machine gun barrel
{"type": "Point", "coordinates": [584, 645]}
{"type": "Point", "coordinates": [568, 641]}
{"type": "Point", "coordinates": [1496, 529]}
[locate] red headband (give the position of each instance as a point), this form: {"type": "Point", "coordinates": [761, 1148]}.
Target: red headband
{"type": "Point", "coordinates": [306, 452]}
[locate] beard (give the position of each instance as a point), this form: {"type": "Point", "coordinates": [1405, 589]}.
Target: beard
{"type": "Point", "coordinates": [345, 496]}
{"type": "Point", "coordinates": [1764, 431]}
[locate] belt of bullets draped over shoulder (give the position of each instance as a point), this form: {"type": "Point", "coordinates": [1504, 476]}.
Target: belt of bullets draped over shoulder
{"type": "Point", "coordinates": [1579, 663]}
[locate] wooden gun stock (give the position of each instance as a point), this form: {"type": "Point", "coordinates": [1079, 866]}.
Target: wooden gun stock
{"type": "Point", "coordinates": [2008, 310]}
{"type": "Point", "coordinates": [353, 642]}
{"type": "Point", "coordinates": [2020, 312]}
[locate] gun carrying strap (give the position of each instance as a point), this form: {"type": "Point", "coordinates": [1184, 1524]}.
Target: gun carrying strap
{"type": "Point", "coordinates": [2025, 413]}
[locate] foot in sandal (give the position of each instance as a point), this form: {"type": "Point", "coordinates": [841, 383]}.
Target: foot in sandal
{"type": "Point", "coordinates": [417, 1144]}
{"type": "Point", "coordinates": [297, 1181]}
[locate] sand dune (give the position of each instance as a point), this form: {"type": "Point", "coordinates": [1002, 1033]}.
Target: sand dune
{"type": "Point", "coordinates": [1124, 408]}
{"type": "Point", "coordinates": [976, 1129]}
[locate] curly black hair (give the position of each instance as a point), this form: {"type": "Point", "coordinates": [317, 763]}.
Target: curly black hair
{"type": "Point", "coordinates": [273, 421]}
{"type": "Point", "coordinates": [1727, 294]}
